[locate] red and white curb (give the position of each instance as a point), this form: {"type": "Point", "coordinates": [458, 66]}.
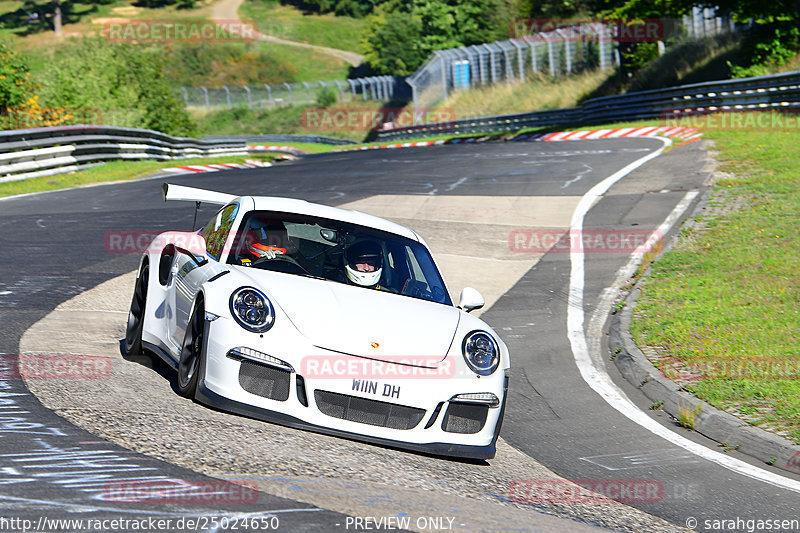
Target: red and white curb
{"type": "Point", "coordinates": [197, 169]}
{"type": "Point", "coordinates": [464, 140]}
{"type": "Point", "coordinates": [686, 135]}
{"type": "Point", "coordinates": [678, 132]}
{"type": "Point", "coordinates": [392, 146]}
{"type": "Point", "coordinates": [288, 150]}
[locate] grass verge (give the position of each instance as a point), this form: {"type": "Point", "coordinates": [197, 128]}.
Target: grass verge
{"type": "Point", "coordinates": [289, 22]}
{"type": "Point", "coordinates": [122, 170]}
{"type": "Point", "coordinates": [345, 120]}
{"type": "Point", "coordinates": [537, 93]}
{"type": "Point", "coordinates": [723, 307]}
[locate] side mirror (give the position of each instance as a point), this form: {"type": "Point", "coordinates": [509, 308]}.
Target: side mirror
{"type": "Point", "coordinates": [195, 249]}
{"type": "Point", "coordinates": [470, 299]}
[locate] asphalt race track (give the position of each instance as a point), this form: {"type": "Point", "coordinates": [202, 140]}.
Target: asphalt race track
{"type": "Point", "coordinates": [55, 247]}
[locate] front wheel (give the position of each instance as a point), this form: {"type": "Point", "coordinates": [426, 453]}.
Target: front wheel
{"type": "Point", "coordinates": [192, 352]}
{"type": "Point", "coordinates": [133, 331]}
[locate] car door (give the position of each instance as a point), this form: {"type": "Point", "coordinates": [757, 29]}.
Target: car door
{"type": "Point", "coordinates": [195, 268]}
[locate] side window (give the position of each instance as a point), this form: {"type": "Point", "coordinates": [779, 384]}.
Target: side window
{"type": "Point", "coordinates": [424, 281]}
{"type": "Point", "coordinates": [415, 269]}
{"type": "Point", "coordinates": [216, 231]}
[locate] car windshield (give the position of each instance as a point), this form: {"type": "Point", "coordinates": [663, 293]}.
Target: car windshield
{"type": "Point", "coordinates": [338, 251]}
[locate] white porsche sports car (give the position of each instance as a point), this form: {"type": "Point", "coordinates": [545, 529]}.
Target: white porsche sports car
{"type": "Point", "coordinates": [323, 319]}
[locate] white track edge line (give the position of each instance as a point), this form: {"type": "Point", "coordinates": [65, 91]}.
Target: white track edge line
{"type": "Point", "coordinates": [601, 382]}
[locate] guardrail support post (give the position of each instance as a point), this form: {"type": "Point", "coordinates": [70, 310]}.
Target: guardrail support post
{"type": "Point", "coordinates": [289, 88]}
{"type": "Point", "coordinates": [375, 85]}
{"type": "Point", "coordinates": [444, 76]}
{"type": "Point", "coordinates": [308, 92]}
{"type": "Point", "coordinates": [534, 66]}
{"type": "Point", "coordinates": [249, 97]}
{"type": "Point", "coordinates": [567, 51]}
{"type": "Point", "coordinates": [269, 96]}
{"type": "Point", "coordinates": [492, 64]}
{"type": "Point", "coordinates": [602, 46]}
{"type": "Point", "coordinates": [205, 93]}
{"type": "Point", "coordinates": [414, 98]}
{"type": "Point", "coordinates": [228, 96]}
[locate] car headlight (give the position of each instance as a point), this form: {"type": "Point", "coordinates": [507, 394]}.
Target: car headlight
{"type": "Point", "coordinates": [252, 309]}
{"type": "Point", "coordinates": [481, 352]}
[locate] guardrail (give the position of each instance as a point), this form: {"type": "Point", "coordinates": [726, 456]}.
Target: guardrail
{"type": "Point", "coordinates": [774, 92]}
{"type": "Point", "coordinates": [263, 139]}
{"type": "Point", "coordinates": [382, 88]}
{"type": "Point", "coordinates": [46, 151]}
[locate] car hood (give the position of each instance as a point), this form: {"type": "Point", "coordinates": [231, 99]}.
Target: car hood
{"type": "Point", "coordinates": [358, 321]}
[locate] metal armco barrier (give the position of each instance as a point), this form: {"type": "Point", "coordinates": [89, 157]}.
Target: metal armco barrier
{"type": "Point", "coordinates": [778, 92]}
{"type": "Point", "coordinates": [46, 151]}
{"type": "Point", "coordinates": [263, 139]}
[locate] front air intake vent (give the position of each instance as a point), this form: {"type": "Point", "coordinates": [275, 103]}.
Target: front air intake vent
{"type": "Point", "coordinates": [464, 417]}
{"type": "Point", "coordinates": [366, 411]}
{"type": "Point", "coordinates": [265, 381]}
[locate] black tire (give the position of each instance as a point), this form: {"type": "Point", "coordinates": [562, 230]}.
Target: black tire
{"type": "Point", "coordinates": [133, 332]}
{"type": "Point", "coordinates": [190, 363]}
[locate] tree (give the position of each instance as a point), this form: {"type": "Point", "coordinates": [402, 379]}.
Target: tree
{"type": "Point", "coordinates": [399, 36]}
{"type": "Point", "coordinates": [57, 16]}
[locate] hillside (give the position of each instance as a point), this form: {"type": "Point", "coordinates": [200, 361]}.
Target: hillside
{"type": "Point", "coordinates": [233, 63]}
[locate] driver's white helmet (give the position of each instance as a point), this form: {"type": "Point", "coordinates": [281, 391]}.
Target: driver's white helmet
{"type": "Point", "coordinates": [364, 263]}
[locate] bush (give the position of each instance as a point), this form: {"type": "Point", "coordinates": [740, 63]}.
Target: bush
{"type": "Point", "coordinates": [124, 82]}
{"type": "Point", "coordinates": [196, 64]}
{"type": "Point", "coordinates": [767, 47]}
{"type": "Point", "coordinates": [19, 103]}
{"type": "Point", "coordinates": [327, 97]}
{"type": "Point", "coordinates": [636, 56]}
{"type": "Point", "coordinates": [15, 83]}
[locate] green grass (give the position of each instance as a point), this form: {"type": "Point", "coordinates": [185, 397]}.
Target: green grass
{"type": "Point", "coordinates": [288, 22]}
{"type": "Point", "coordinates": [537, 93]}
{"type": "Point", "coordinates": [113, 171]}
{"type": "Point", "coordinates": [726, 300]}
{"type": "Point", "coordinates": [310, 65]}
{"type": "Point", "coordinates": [281, 120]}
{"type": "Point", "coordinates": [255, 63]}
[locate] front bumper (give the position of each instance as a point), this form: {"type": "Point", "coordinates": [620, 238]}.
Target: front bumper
{"type": "Point", "coordinates": [412, 413]}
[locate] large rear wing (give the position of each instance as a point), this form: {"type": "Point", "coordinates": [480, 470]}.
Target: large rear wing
{"type": "Point", "coordinates": [190, 194]}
